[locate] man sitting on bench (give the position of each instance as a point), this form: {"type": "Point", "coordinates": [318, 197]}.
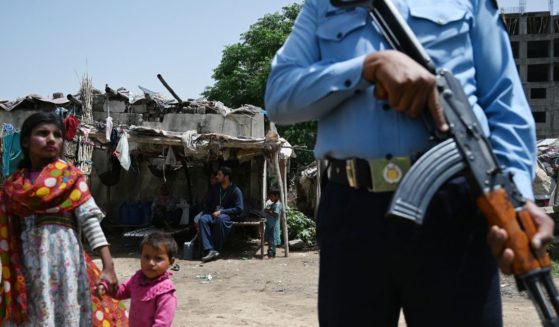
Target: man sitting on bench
{"type": "Point", "coordinates": [224, 204]}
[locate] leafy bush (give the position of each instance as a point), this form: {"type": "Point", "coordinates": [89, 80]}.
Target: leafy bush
{"type": "Point", "coordinates": [301, 227]}
{"type": "Point", "coordinates": [554, 268]}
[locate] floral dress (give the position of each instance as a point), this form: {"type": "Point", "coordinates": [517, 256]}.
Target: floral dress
{"type": "Point", "coordinates": [53, 276]}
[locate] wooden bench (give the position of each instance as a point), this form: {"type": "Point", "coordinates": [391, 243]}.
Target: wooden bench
{"type": "Point", "coordinates": [140, 233]}
{"type": "Point", "coordinates": [259, 223]}
{"type": "Point", "coordinates": [254, 223]}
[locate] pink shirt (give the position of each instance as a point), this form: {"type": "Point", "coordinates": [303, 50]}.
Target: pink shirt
{"type": "Point", "coordinates": [152, 302]}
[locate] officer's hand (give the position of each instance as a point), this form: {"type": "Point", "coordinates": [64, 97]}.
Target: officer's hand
{"type": "Point", "coordinates": [498, 236]}
{"type": "Point", "coordinates": [406, 85]}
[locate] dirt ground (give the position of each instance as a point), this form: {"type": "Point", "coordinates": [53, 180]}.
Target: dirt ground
{"type": "Point", "coordinates": [246, 291]}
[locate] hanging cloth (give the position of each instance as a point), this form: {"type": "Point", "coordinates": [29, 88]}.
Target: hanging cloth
{"type": "Point", "coordinates": [114, 137]}
{"type": "Point", "coordinates": [108, 128]}
{"type": "Point", "coordinates": [7, 128]}
{"type": "Point", "coordinates": [171, 159]}
{"type": "Point", "coordinates": [122, 151]}
{"type": "Point", "coordinates": [61, 112]}
{"type": "Point", "coordinates": [12, 154]}
{"type": "Point", "coordinates": [111, 176]}
{"type": "Point", "coordinates": [71, 124]}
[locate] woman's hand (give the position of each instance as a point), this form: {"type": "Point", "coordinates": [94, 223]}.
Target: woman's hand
{"type": "Point", "coordinates": [498, 236]}
{"type": "Point", "coordinates": [108, 274]}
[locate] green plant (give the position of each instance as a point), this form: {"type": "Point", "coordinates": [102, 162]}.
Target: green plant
{"type": "Point", "coordinates": [301, 227]}
{"type": "Point", "coordinates": [554, 268]}
{"type": "Point", "coordinates": [240, 78]}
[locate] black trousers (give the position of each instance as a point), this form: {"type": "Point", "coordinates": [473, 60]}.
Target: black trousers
{"type": "Point", "coordinates": [371, 267]}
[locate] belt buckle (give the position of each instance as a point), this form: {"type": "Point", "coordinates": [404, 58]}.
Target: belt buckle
{"type": "Point", "coordinates": [350, 173]}
{"type": "Point", "coordinates": [386, 174]}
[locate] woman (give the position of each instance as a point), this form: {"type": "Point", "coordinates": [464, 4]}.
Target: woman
{"type": "Point", "coordinates": [44, 206]}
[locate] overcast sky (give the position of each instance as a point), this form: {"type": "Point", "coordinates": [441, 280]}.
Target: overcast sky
{"type": "Point", "coordinates": [46, 46]}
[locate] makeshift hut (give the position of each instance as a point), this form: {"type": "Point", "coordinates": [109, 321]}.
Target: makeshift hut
{"type": "Point", "coordinates": [129, 145]}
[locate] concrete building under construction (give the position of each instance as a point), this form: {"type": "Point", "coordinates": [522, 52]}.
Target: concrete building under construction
{"type": "Point", "coordinates": [534, 39]}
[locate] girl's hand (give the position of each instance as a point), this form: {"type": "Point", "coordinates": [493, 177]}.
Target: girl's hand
{"type": "Point", "coordinates": [101, 289]}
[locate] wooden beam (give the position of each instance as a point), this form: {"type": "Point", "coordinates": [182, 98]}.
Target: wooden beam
{"type": "Point", "coordinates": [263, 146]}
{"type": "Point", "coordinates": [283, 197]}
{"type": "Point", "coordinates": [264, 183]}
{"type": "Point", "coordinates": [155, 140]}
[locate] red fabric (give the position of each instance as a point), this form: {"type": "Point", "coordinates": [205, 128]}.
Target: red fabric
{"type": "Point", "coordinates": [71, 124]}
{"type": "Point", "coordinates": [58, 189]}
{"type": "Point", "coordinates": [107, 311]}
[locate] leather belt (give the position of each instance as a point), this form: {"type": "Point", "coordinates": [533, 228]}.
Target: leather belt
{"type": "Point", "coordinates": [354, 173]}
{"type": "Point", "coordinates": [376, 175]}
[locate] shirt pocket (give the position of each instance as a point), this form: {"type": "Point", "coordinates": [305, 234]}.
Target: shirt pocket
{"type": "Point", "coordinates": [340, 31]}
{"type": "Point", "coordinates": [438, 22]}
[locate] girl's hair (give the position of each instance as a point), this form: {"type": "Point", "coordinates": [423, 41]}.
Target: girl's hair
{"type": "Point", "coordinates": [158, 240]}
{"type": "Point", "coordinates": [274, 191]}
{"type": "Point", "coordinates": [29, 124]}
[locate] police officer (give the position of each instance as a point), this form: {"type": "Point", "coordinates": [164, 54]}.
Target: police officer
{"type": "Point", "coordinates": [336, 68]}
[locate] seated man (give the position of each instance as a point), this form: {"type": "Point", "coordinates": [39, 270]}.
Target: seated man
{"type": "Point", "coordinates": [164, 210]}
{"type": "Point", "coordinates": [223, 205]}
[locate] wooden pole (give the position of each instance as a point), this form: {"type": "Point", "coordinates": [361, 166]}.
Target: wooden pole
{"type": "Point", "coordinates": [283, 215]}
{"type": "Point", "coordinates": [264, 183]}
{"type": "Point", "coordinates": [188, 180]}
{"type": "Point", "coordinates": [556, 194]}
{"type": "Point", "coordinates": [283, 167]}
{"type": "Point", "coordinates": [160, 77]}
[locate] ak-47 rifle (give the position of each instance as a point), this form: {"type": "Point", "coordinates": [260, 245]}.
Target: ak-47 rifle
{"type": "Point", "coordinates": [465, 149]}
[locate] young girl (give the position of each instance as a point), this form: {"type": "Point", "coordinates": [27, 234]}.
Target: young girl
{"type": "Point", "coordinates": [152, 293]}
{"type": "Point", "coordinates": [273, 211]}
{"type": "Point", "coordinates": [43, 206]}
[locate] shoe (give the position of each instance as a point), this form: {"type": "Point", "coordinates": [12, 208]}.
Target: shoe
{"type": "Point", "coordinates": [212, 255]}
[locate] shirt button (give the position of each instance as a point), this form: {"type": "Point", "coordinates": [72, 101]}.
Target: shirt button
{"type": "Point", "coordinates": [339, 36]}
{"type": "Point", "coordinates": [347, 83]}
{"type": "Point", "coordinates": [385, 107]}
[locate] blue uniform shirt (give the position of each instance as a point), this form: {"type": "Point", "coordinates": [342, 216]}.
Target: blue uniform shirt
{"type": "Point", "coordinates": [317, 75]}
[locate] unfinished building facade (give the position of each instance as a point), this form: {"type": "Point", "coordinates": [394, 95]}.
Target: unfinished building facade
{"type": "Point", "coordinates": [534, 40]}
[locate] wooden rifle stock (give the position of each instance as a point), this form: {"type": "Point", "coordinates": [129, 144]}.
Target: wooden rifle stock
{"type": "Point", "coordinates": [520, 227]}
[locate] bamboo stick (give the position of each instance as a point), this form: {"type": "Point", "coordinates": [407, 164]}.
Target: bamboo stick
{"type": "Point", "coordinates": [283, 197]}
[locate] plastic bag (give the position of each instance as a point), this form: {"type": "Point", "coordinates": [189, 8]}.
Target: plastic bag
{"type": "Point", "coordinates": [122, 151]}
